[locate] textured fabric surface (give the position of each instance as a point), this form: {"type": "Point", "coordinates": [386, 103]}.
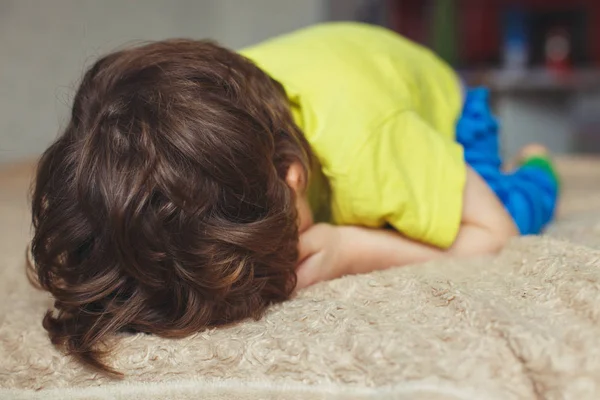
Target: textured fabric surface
{"type": "Point", "coordinates": [522, 325]}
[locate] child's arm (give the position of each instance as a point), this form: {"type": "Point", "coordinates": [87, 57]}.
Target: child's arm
{"type": "Point", "coordinates": [329, 252]}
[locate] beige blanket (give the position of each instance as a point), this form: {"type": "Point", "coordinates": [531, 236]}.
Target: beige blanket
{"type": "Point", "coordinates": [522, 325]}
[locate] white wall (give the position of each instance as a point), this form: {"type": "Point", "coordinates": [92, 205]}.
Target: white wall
{"type": "Point", "coordinates": [45, 45]}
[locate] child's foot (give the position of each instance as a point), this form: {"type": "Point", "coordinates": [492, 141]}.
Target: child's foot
{"type": "Point", "coordinates": [532, 150]}
{"type": "Point", "coordinates": [537, 156]}
{"type": "Point", "coordinates": [527, 152]}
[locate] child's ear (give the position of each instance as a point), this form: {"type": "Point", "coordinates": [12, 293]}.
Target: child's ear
{"type": "Point", "coordinates": [295, 177]}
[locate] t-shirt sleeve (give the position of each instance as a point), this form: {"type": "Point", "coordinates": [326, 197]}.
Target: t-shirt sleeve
{"type": "Point", "coordinates": [409, 176]}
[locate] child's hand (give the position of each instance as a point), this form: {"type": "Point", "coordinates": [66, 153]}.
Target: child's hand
{"type": "Point", "coordinates": [322, 255]}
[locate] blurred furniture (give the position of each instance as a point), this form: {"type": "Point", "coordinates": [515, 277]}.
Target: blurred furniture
{"type": "Point", "coordinates": [539, 57]}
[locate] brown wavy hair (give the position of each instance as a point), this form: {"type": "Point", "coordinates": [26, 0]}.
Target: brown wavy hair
{"type": "Point", "coordinates": [163, 206]}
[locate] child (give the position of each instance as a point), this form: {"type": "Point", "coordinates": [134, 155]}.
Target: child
{"type": "Point", "coordinates": [193, 187]}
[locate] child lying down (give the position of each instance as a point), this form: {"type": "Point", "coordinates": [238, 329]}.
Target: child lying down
{"type": "Point", "coordinates": [194, 186]}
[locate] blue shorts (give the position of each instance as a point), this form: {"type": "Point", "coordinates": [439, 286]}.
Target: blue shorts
{"type": "Point", "coordinates": [530, 192]}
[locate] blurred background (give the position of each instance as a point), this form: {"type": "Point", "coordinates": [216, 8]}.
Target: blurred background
{"type": "Point", "coordinates": [541, 58]}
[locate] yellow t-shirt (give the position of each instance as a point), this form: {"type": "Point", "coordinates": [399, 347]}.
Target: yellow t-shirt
{"type": "Point", "coordinates": [379, 112]}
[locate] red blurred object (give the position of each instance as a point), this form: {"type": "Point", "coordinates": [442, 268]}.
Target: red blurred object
{"type": "Point", "coordinates": [480, 31]}
{"type": "Point", "coordinates": [408, 17]}
{"type": "Point", "coordinates": [557, 50]}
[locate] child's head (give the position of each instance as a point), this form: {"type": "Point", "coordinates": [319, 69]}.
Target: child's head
{"type": "Point", "coordinates": [167, 205]}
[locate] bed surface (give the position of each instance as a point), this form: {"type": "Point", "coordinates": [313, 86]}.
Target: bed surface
{"type": "Point", "coordinates": [522, 325]}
